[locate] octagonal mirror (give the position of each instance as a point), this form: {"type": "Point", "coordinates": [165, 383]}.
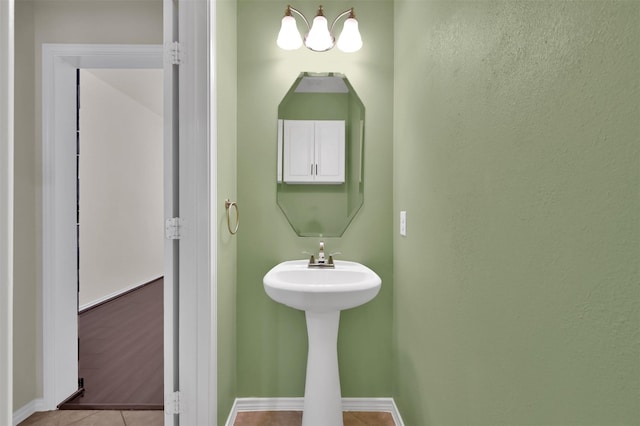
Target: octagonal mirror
{"type": "Point", "coordinates": [320, 154]}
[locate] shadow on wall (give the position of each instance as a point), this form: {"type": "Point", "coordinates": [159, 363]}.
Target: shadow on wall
{"type": "Point", "coordinates": [414, 403]}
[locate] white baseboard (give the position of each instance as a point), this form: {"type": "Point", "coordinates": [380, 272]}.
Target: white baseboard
{"type": "Point", "coordinates": [296, 404]}
{"type": "Point", "coordinates": [27, 410]}
{"type": "Point", "coordinates": [397, 418]}
{"type": "Point", "coordinates": [115, 294]}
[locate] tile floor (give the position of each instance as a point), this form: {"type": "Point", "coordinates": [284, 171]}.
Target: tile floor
{"type": "Point", "coordinates": [155, 418]}
{"type": "Point", "coordinates": [95, 418]}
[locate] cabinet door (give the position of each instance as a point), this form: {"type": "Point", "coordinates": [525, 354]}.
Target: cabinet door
{"type": "Point", "coordinates": [298, 155]}
{"type": "Point", "coordinates": [329, 151]}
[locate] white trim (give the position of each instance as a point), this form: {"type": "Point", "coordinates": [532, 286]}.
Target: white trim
{"type": "Point", "coordinates": [296, 404]}
{"type": "Point", "coordinates": [369, 404]}
{"type": "Point", "coordinates": [22, 413]}
{"type": "Point", "coordinates": [397, 418]}
{"type": "Point", "coordinates": [115, 294]}
{"type": "Point", "coordinates": [280, 143]}
{"type": "Point", "coordinates": [233, 413]}
{"type": "Point", "coordinates": [268, 404]}
{"type": "Point", "coordinates": [212, 193]}
{"type": "Point", "coordinates": [59, 293]}
{"type": "Point", "coordinates": [197, 192]}
{"type": "Point", "coordinates": [6, 208]}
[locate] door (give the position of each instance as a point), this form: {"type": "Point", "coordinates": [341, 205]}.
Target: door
{"type": "Point", "coordinates": [299, 151]}
{"type": "Point", "coordinates": [171, 210]}
{"type": "Point", "coordinates": [329, 136]}
{"type": "Point", "coordinates": [196, 349]}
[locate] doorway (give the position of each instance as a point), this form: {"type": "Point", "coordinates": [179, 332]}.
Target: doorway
{"type": "Point", "coordinates": [60, 232]}
{"type": "Point", "coordinates": [119, 163]}
{"type": "Point", "coordinates": [191, 216]}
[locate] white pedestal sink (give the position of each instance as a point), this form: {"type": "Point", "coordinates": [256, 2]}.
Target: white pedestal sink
{"type": "Point", "coordinates": [322, 293]}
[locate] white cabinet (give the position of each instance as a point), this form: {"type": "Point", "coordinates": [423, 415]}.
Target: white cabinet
{"type": "Point", "coordinates": [313, 151]}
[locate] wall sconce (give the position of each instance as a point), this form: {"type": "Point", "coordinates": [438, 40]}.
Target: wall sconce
{"type": "Point", "coordinates": [319, 37]}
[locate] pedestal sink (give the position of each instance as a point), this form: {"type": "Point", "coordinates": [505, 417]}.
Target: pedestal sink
{"type": "Point", "coordinates": [322, 293]}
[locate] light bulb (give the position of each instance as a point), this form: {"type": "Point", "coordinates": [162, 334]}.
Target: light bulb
{"type": "Point", "coordinates": [319, 37]}
{"type": "Point", "coordinates": [350, 40]}
{"type": "Point", "coordinates": [289, 36]}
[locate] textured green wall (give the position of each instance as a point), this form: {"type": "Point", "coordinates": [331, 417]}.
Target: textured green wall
{"type": "Point", "coordinates": [272, 338]}
{"type": "Point", "coordinates": [226, 109]}
{"type": "Point", "coordinates": [516, 156]}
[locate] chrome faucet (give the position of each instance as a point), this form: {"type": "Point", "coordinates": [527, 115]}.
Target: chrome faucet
{"type": "Point", "coordinates": [322, 262]}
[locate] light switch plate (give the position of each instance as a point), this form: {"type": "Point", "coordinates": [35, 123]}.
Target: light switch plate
{"type": "Point", "coordinates": [403, 223]}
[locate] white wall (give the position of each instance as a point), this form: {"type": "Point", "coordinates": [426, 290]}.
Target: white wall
{"type": "Point", "coordinates": [121, 181]}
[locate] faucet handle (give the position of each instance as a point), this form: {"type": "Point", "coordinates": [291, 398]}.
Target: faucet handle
{"type": "Point", "coordinates": [312, 258]}
{"type": "Point", "coordinates": [330, 261]}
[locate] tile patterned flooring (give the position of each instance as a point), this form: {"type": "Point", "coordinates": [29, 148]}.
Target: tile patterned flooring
{"type": "Point", "coordinates": [155, 418]}
{"type": "Point", "coordinates": [95, 418]}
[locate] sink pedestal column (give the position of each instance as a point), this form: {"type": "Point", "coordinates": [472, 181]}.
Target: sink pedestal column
{"type": "Point", "coordinates": [322, 399]}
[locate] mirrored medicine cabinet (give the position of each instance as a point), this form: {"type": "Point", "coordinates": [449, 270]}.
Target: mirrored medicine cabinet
{"type": "Point", "coordinates": [320, 166]}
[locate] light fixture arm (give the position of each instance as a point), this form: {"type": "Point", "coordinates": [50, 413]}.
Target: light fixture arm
{"type": "Point", "coordinates": [290, 9]}
{"type": "Point", "coordinates": [293, 9]}
{"type": "Point", "coordinates": [351, 13]}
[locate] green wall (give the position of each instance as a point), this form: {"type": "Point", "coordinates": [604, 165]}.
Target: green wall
{"type": "Point", "coordinates": [516, 157]}
{"type": "Point", "coordinates": [272, 338]}
{"type": "Point", "coordinates": [226, 109]}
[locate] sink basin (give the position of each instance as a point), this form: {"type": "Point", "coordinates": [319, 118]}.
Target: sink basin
{"type": "Point", "coordinates": [348, 285]}
{"type": "Point", "coordinates": [322, 293]}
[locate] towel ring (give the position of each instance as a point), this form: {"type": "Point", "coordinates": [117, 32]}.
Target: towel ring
{"type": "Point", "coordinates": [227, 205]}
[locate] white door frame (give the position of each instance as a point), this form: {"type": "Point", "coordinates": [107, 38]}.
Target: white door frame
{"type": "Point", "coordinates": [6, 211]}
{"type": "Point", "coordinates": [198, 255]}
{"type": "Point", "coordinates": [59, 282]}
{"type": "Point", "coordinates": [195, 345]}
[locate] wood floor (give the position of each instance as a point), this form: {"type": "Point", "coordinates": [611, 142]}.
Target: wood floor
{"type": "Point", "coordinates": [121, 353]}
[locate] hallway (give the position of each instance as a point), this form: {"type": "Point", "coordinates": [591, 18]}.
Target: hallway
{"type": "Point", "coordinates": [121, 352]}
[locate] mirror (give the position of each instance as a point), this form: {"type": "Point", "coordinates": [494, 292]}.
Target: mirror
{"type": "Point", "coordinates": [320, 154]}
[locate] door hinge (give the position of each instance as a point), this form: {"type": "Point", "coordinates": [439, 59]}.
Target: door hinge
{"type": "Point", "coordinates": [172, 403]}
{"type": "Point", "coordinates": [174, 53]}
{"type": "Point", "coordinates": [172, 228]}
